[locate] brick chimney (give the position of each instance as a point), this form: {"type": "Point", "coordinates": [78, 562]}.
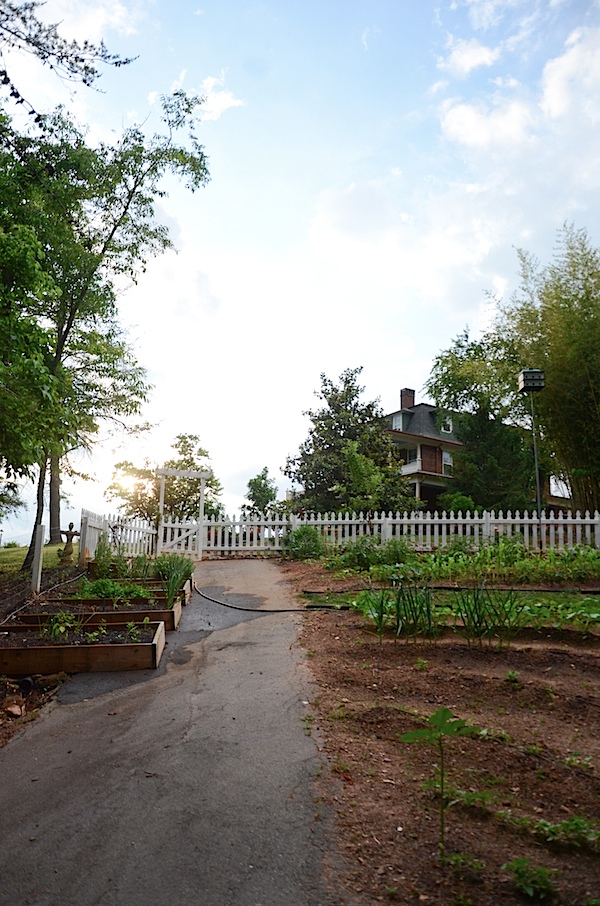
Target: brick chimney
{"type": "Point", "coordinates": [407, 398]}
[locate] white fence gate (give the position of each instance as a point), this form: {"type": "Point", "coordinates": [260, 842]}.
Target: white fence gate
{"type": "Point", "coordinates": [423, 531]}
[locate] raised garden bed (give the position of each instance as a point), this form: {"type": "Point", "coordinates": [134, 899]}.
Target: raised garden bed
{"type": "Point", "coordinates": [104, 609]}
{"type": "Point", "coordinates": [23, 652]}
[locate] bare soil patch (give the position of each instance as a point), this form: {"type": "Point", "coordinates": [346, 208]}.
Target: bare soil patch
{"type": "Point", "coordinates": [539, 702]}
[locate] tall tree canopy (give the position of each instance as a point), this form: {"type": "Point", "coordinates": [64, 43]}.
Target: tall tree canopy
{"type": "Point", "coordinates": [261, 494]}
{"type": "Point", "coordinates": [92, 210]}
{"type": "Point", "coordinates": [138, 487]}
{"type": "Point", "coordinates": [22, 29]}
{"type": "Point", "coordinates": [348, 461]}
{"type": "Point", "coordinates": [552, 323]}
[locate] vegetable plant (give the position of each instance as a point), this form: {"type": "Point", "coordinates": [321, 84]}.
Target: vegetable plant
{"type": "Point", "coordinates": [442, 725]}
{"type": "Point", "coordinates": [530, 880]}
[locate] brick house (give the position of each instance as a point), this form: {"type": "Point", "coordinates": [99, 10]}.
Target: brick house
{"type": "Point", "coordinates": [427, 445]}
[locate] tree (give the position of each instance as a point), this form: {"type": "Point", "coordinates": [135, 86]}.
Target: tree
{"type": "Point", "coordinates": [10, 499]}
{"type": "Point", "coordinates": [348, 457]}
{"type": "Point", "coordinates": [553, 323]}
{"type": "Point", "coordinates": [21, 29]}
{"type": "Point", "coordinates": [495, 467]}
{"type": "Point", "coordinates": [262, 494]}
{"type": "Point", "coordinates": [94, 212]}
{"type": "Point", "coordinates": [138, 488]}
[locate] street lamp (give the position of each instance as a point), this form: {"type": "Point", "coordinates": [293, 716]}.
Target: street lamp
{"type": "Point", "coordinates": [531, 380]}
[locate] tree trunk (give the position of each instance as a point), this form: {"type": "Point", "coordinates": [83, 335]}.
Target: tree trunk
{"type": "Point", "coordinates": [55, 535]}
{"type": "Point", "coordinates": [39, 512]}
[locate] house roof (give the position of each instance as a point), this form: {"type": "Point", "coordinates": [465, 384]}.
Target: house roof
{"type": "Point", "coordinates": [420, 421]}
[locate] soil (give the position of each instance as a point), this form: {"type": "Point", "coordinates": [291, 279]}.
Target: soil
{"type": "Point", "coordinates": [539, 759]}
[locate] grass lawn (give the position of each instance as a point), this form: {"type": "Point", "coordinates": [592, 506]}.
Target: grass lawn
{"type": "Point", "coordinates": [11, 558]}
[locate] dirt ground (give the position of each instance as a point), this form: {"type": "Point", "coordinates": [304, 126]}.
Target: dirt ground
{"type": "Point", "coordinates": [538, 760]}
{"type": "Point", "coordinates": [539, 703]}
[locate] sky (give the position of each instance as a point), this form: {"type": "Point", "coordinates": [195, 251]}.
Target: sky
{"type": "Point", "coordinates": [375, 166]}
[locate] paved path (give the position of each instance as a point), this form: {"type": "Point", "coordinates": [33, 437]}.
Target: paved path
{"type": "Point", "coordinates": [187, 785]}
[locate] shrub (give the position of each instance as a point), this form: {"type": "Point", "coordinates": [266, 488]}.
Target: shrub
{"type": "Point", "coordinates": [305, 543]}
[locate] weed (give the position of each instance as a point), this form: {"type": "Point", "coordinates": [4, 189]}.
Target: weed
{"type": "Point", "coordinates": [577, 760]}
{"type": "Point", "coordinates": [530, 880]}
{"type": "Point", "coordinates": [533, 748]}
{"type": "Point", "coordinates": [465, 863]}
{"type": "Point", "coordinates": [421, 664]}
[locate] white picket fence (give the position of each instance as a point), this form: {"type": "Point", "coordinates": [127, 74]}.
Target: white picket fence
{"type": "Point", "coordinates": [128, 536]}
{"type": "Point", "coordinates": [423, 531]}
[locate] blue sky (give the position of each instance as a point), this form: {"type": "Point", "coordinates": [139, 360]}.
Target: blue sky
{"type": "Point", "coordinates": [374, 167]}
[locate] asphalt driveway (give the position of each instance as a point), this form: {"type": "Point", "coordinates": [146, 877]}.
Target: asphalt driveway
{"type": "Point", "coordinates": [191, 784]}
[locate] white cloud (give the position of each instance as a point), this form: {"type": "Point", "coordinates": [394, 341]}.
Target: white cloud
{"type": "Point", "coordinates": [92, 20]}
{"type": "Point", "coordinates": [217, 98]}
{"type": "Point", "coordinates": [440, 85]}
{"type": "Point", "coordinates": [485, 14]}
{"type": "Point", "coordinates": [478, 126]}
{"type": "Point", "coordinates": [465, 56]}
{"type": "Point", "coordinates": [571, 82]}
{"type": "Point", "coordinates": [366, 36]}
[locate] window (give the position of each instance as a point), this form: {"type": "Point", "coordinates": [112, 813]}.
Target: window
{"type": "Point", "coordinates": [447, 462]}
{"type": "Point", "coordinates": [397, 423]}
{"type": "Point", "coordinates": [446, 425]}
{"type": "Point", "coordinates": [412, 455]}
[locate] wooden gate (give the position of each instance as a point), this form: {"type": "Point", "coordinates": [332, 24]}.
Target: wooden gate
{"type": "Point", "coordinates": [180, 538]}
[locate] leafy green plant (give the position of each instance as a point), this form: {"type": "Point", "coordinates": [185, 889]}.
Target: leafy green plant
{"type": "Point", "coordinates": [96, 635]}
{"type": "Point", "coordinates": [111, 588]}
{"type": "Point", "coordinates": [304, 543]}
{"type": "Point", "coordinates": [60, 625]}
{"type": "Point", "coordinates": [530, 880]}
{"type": "Point", "coordinates": [440, 726]}
{"type": "Point", "coordinates": [133, 631]}
{"type": "Point", "coordinates": [363, 553]}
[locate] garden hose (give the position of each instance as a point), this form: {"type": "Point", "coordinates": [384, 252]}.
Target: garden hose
{"type": "Point", "coordinates": [279, 610]}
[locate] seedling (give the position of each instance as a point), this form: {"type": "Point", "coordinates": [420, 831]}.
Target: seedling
{"type": "Point", "coordinates": [512, 677]}
{"type": "Point", "coordinates": [531, 880]}
{"type": "Point", "coordinates": [440, 725]}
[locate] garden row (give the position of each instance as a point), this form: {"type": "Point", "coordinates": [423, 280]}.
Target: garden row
{"type": "Point", "coordinates": [505, 560]}
{"type": "Point", "coordinates": [479, 614]}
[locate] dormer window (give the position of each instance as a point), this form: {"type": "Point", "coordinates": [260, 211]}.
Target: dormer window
{"type": "Point", "coordinates": [446, 425]}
